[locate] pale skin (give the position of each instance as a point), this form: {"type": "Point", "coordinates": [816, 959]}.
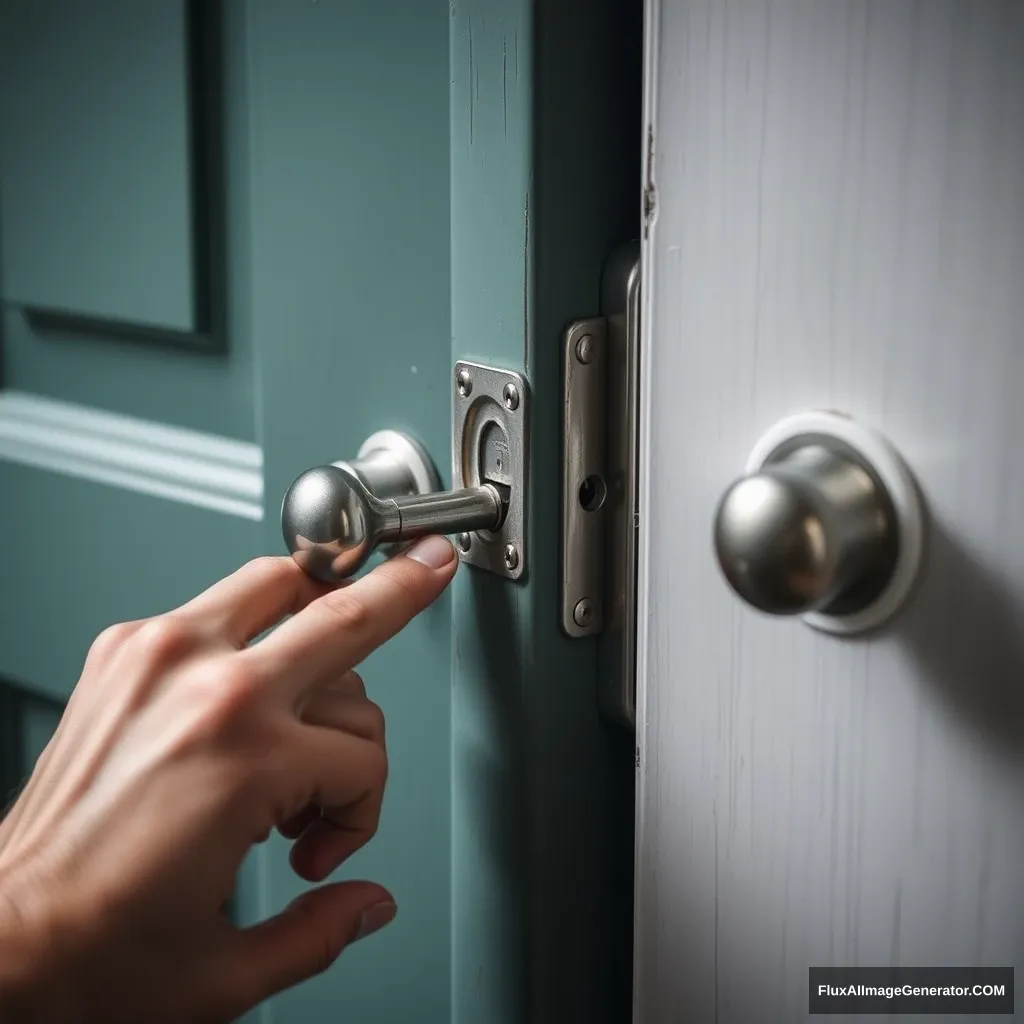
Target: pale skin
{"type": "Point", "coordinates": [182, 746]}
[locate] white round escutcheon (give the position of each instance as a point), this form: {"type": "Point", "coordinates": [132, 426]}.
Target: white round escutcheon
{"type": "Point", "coordinates": [876, 454]}
{"type": "Point", "coordinates": [409, 452]}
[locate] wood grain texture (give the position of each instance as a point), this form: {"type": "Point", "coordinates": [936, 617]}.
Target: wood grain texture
{"type": "Point", "coordinates": [840, 223]}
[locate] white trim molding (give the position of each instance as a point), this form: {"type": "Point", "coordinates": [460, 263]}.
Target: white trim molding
{"type": "Point", "coordinates": [206, 470]}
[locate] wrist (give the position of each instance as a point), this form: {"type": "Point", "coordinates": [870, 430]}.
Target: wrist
{"type": "Point", "coordinates": [26, 990]}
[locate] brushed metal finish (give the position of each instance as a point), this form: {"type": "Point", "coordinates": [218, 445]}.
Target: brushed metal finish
{"type": "Point", "coordinates": [490, 437]}
{"type": "Point", "coordinates": [584, 487]}
{"type": "Point", "coordinates": [814, 531]}
{"type": "Point", "coordinates": [334, 517]}
{"type": "Point", "coordinates": [332, 523]}
{"type": "Point", "coordinates": [600, 507]}
{"type": "Point", "coordinates": [391, 463]}
{"type": "Point", "coordinates": [472, 508]}
{"type": "Point", "coordinates": [838, 223]}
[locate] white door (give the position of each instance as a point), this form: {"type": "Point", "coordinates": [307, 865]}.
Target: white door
{"type": "Point", "coordinates": [838, 223]}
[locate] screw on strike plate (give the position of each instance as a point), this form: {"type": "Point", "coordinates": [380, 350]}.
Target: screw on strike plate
{"type": "Point", "coordinates": [464, 382]}
{"type": "Point", "coordinates": [585, 349]}
{"type": "Point", "coordinates": [511, 397]}
{"type": "Point", "coordinates": [465, 542]}
{"type": "Point", "coordinates": [511, 557]}
{"type": "Point", "coordinates": [583, 613]}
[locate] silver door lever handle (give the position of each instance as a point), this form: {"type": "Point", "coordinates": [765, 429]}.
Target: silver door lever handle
{"type": "Point", "coordinates": [333, 517]}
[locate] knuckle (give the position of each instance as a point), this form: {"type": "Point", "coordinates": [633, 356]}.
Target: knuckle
{"type": "Point", "coordinates": [164, 639]}
{"type": "Point", "coordinates": [272, 567]}
{"type": "Point", "coordinates": [376, 767]}
{"type": "Point", "coordinates": [354, 681]}
{"type": "Point", "coordinates": [375, 715]}
{"type": "Point", "coordinates": [238, 684]}
{"type": "Point", "coordinates": [403, 581]}
{"type": "Point", "coordinates": [109, 640]}
{"type": "Point", "coordinates": [222, 693]}
{"type": "Point", "coordinates": [326, 950]}
{"type": "Point", "coordinates": [349, 611]}
{"type": "Point", "coordinates": [232, 687]}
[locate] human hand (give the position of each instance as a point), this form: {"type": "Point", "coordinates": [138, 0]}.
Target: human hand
{"type": "Point", "coordinates": [181, 746]}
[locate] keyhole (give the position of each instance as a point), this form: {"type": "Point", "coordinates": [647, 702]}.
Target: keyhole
{"type": "Point", "coordinates": [592, 493]}
{"type": "Point", "coordinates": [492, 464]}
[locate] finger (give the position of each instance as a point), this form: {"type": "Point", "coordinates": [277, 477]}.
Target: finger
{"type": "Point", "coordinates": [331, 839]}
{"type": "Point", "coordinates": [350, 684]}
{"type": "Point", "coordinates": [327, 768]}
{"type": "Point", "coordinates": [346, 776]}
{"type": "Point", "coordinates": [254, 598]}
{"type": "Point", "coordinates": [345, 711]}
{"type": "Point", "coordinates": [341, 705]}
{"type": "Point", "coordinates": [295, 826]}
{"type": "Point", "coordinates": [337, 631]}
{"type": "Point", "coordinates": [303, 940]}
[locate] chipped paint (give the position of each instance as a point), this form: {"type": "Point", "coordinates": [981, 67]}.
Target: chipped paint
{"type": "Point", "coordinates": [650, 191]}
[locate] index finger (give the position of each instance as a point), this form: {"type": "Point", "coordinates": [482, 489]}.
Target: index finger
{"type": "Point", "coordinates": [254, 598]}
{"type": "Point", "coordinates": [337, 631]}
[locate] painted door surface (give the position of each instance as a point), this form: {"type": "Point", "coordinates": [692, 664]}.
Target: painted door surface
{"type": "Point", "coordinates": [236, 240]}
{"type": "Point", "coordinates": [839, 224]}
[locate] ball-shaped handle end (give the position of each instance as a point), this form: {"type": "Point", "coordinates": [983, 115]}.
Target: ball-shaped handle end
{"type": "Point", "coordinates": [771, 545]}
{"type": "Point", "coordinates": [329, 522]}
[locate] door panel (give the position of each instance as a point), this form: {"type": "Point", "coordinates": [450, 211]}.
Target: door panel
{"type": "Point", "coordinates": [101, 89]}
{"type": "Point", "coordinates": [84, 555]}
{"type": "Point", "coordinates": [839, 225]}
{"type": "Point", "coordinates": [126, 210]}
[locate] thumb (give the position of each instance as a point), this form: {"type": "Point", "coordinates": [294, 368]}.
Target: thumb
{"type": "Point", "coordinates": [309, 935]}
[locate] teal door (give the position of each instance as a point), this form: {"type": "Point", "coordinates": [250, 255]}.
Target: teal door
{"type": "Point", "coordinates": [235, 240]}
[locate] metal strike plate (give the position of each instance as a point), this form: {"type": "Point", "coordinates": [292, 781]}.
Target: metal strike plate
{"type": "Point", "coordinates": [490, 436]}
{"type": "Point", "coordinates": [600, 502]}
{"type": "Point", "coordinates": [584, 478]}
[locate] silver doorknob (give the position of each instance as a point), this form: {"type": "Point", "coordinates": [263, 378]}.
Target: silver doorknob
{"type": "Point", "coordinates": [825, 524]}
{"type": "Point", "coordinates": [333, 517]}
{"type": "Point", "coordinates": [812, 532]}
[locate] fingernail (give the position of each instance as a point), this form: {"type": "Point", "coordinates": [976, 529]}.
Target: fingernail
{"type": "Point", "coordinates": [435, 552]}
{"type": "Point", "coordinates": [374, 918]}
